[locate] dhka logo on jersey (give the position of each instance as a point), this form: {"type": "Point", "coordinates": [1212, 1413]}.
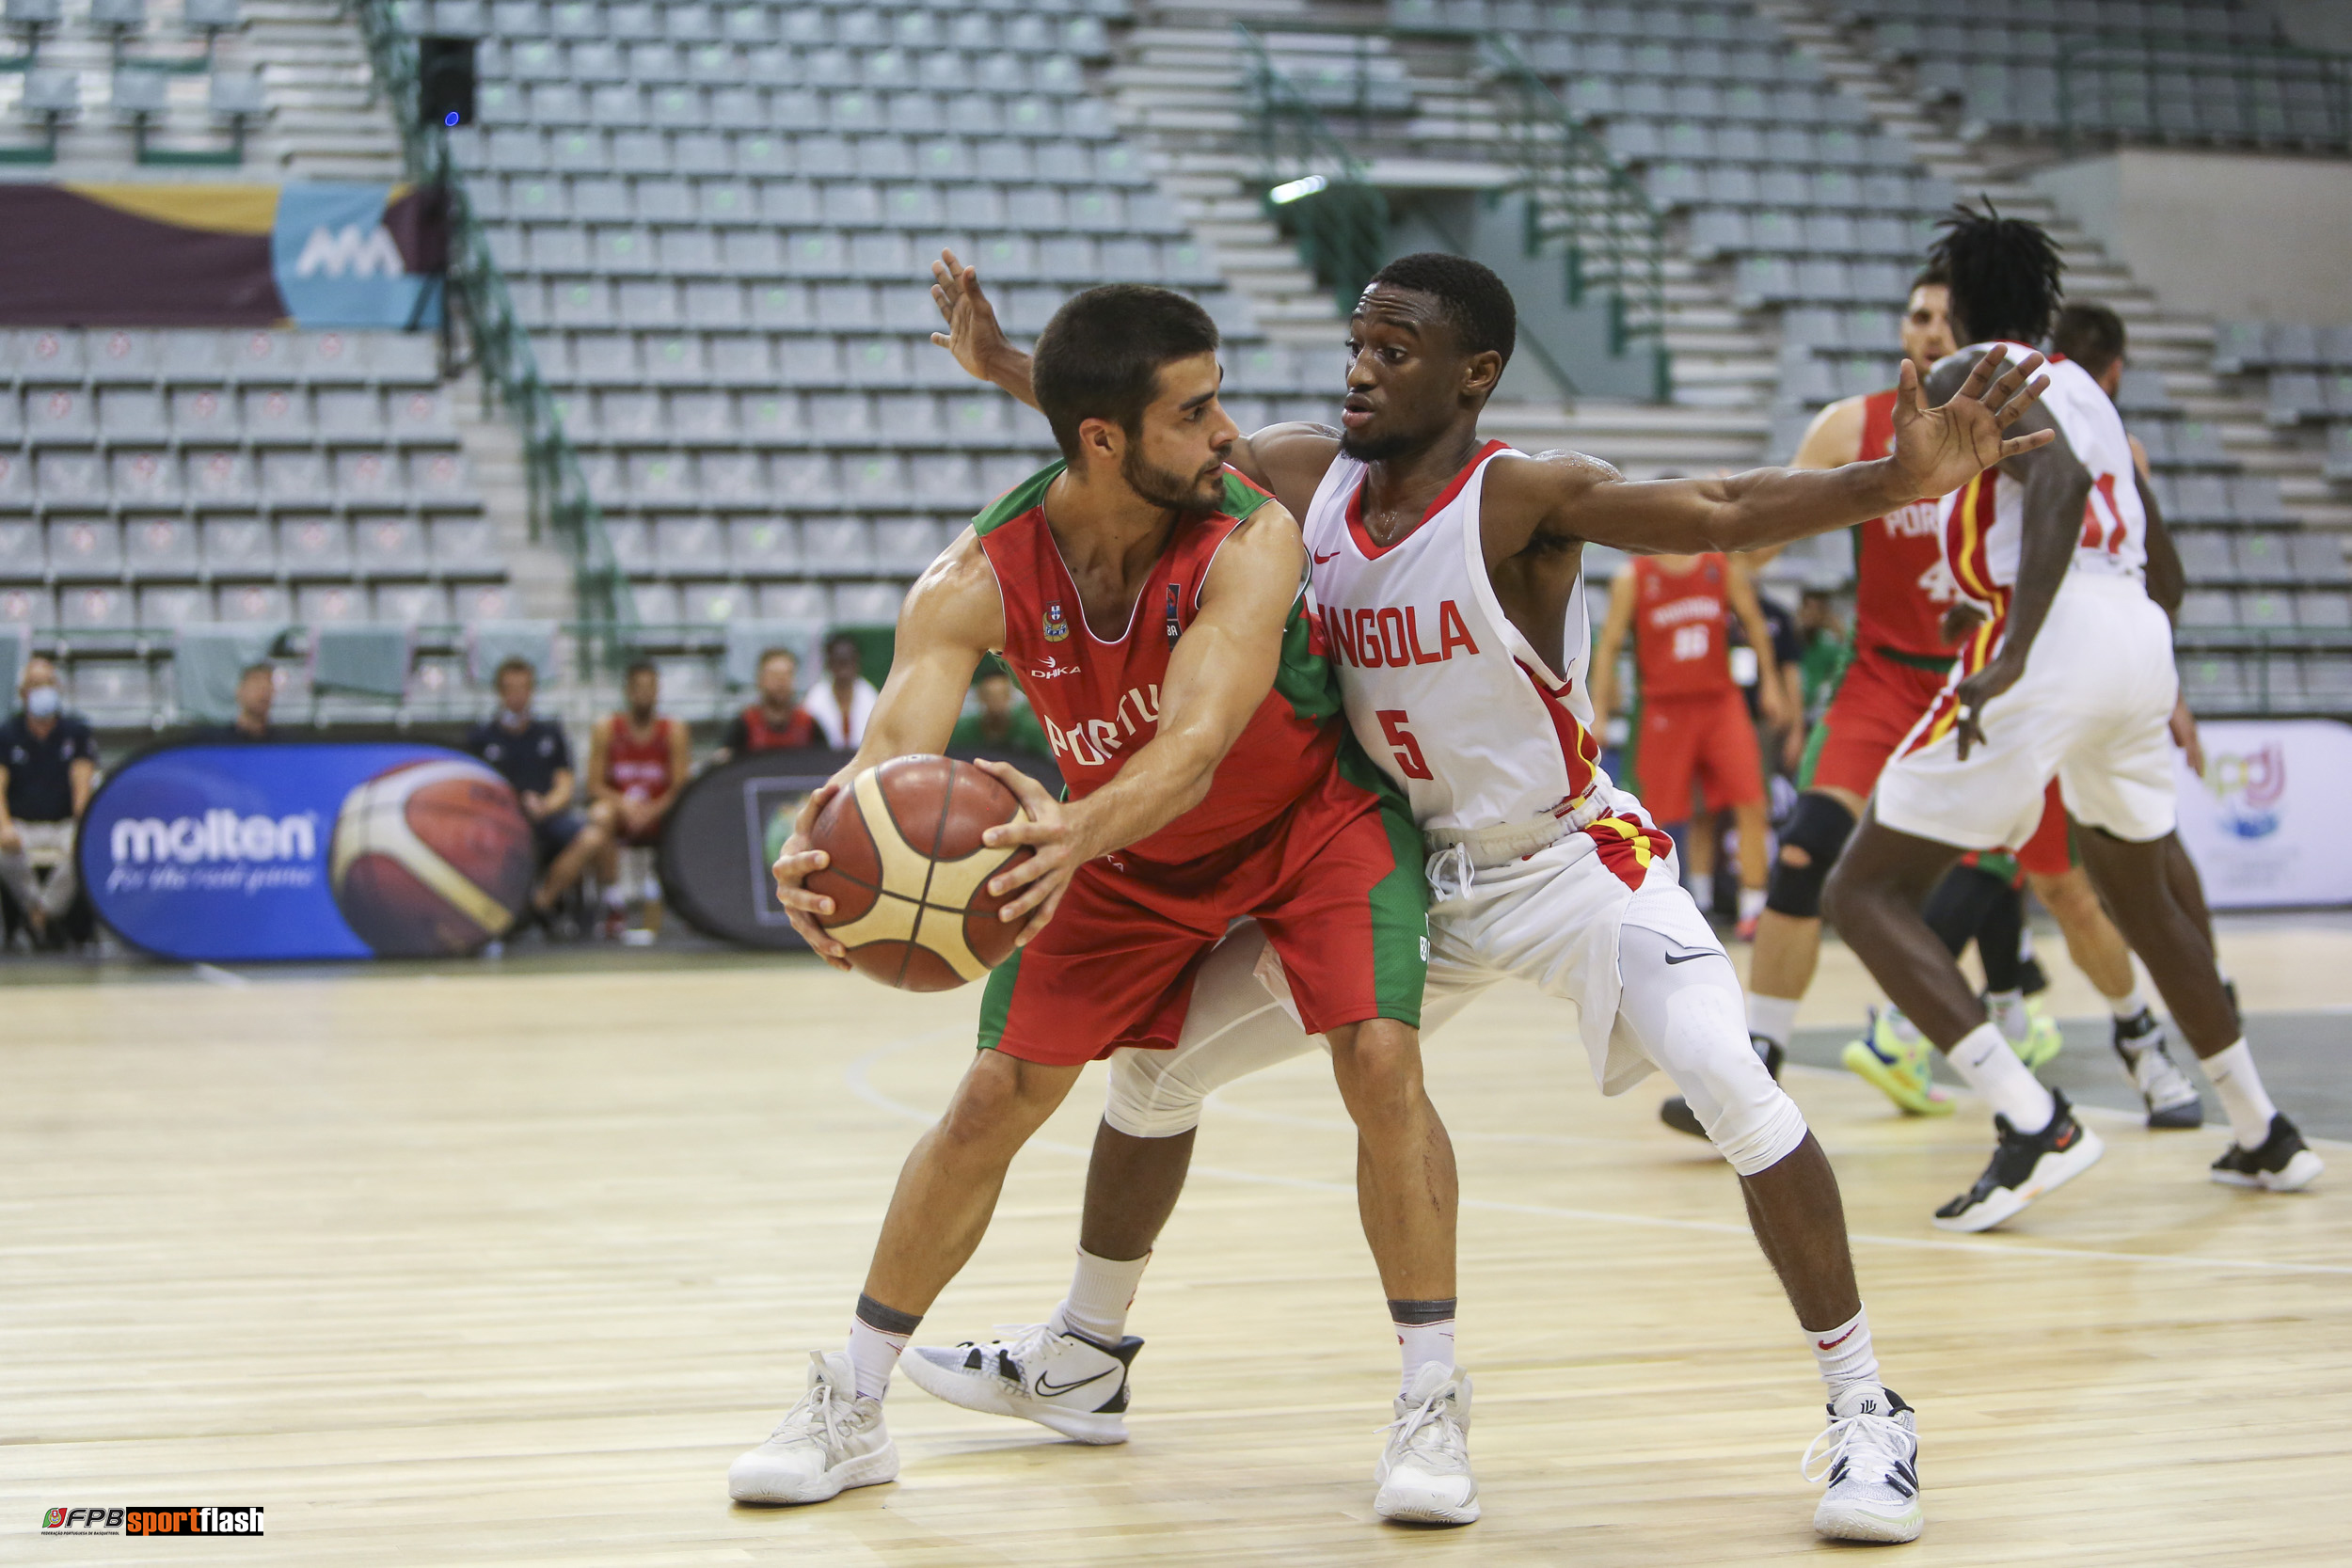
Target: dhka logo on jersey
{"type": "Point", "coordinates": [1053, 668]}
{"type": "Point", "coordinates": [1057, 629]}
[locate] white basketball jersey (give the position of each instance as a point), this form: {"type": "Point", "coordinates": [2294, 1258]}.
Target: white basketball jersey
{"type": "Point", "coordinates": [1441, 689]}
{"type": "Point", "coordinates": [1984, 520]}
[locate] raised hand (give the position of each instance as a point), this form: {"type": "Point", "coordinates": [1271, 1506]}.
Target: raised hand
{"type": "Point", "coordinates": [1939, 449]}
{"type": "Point", "coordinates": [972, 336]}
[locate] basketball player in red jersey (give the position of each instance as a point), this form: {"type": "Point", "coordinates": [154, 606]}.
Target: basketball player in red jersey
{"type": "Point", "coordinates": [1152, 604]}
{"type": "Point", "coordinates": [1540, 869]}
{"type": "Point", "coordinates": [1694, 724]}
{"type": "Point", "coordinates": [638, 761]}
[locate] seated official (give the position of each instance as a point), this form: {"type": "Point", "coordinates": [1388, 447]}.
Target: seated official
{"type": "Point", "coordinates": [532, 756]}
{"type": "Point", "coordinates": [257, 688]}
{"type": "Point", "coordinates": [48, 769]}
{"type": "Point", "coordinates": [775, 722]}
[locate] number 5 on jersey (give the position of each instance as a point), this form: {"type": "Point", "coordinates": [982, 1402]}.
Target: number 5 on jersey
{"type": "Point", "coordinates": [1408, 758]}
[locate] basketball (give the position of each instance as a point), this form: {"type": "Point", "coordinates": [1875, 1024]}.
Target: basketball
{"type": "Point", "coordinates": [908, 872]}
{"type": "Point", "coordinates": [431, 859]}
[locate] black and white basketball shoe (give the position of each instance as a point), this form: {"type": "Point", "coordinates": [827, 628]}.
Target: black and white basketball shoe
{"type": "Point", "coordinates": [1057, 1378]}
{"type": "Point", "coordinates": [2284, 1163]}
{"type": "Point", "coordinates": [2024, 1166]}
{"type": "Point", "coordinates": [1869, 1456]}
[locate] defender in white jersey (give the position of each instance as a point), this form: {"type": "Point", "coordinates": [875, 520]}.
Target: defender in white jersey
{"type": "Point", "coordinates": [2068, 673]}
{"type": "Point", "coordinates": [1447, 575]}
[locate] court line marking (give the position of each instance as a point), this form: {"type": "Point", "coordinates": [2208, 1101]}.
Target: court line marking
{"type": "Point", "coordinates": [858, 1076]}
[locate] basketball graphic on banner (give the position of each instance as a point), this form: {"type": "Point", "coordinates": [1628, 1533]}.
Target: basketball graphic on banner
{"type": "Point", "coordinates": [431, 858]}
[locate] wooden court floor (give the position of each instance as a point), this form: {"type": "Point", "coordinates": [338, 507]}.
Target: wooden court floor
{"type": "Point", "coordinates": [504, 1268]}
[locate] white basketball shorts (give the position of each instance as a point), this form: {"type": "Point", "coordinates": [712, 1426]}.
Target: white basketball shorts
{"type": "Point", "coordinates": [2093, 709]}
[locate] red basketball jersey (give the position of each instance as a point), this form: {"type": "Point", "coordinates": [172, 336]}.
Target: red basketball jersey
{"type": "Point", "coordinates": [1099, 699]}
{"type": "Point", "coordinates": [1901, 584]}
{"type": "Point", "coordinates": [638, 769]}
{"type": "Point", "coordinates": [1681, 648]}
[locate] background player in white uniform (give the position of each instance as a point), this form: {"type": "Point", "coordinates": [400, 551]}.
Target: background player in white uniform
{"type": "Point", "coordinates": [2069, 674]}
{"type": "Point", "coordinates": [1448, 572]}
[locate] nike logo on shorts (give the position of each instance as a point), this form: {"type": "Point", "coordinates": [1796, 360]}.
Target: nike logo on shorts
{"type": "Point", "coordinates": [1686, 958]}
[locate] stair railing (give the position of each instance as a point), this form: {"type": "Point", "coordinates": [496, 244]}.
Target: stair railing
{"type": "Point", "coordinates": [559, 493]}
{"type": "Point", "coordinates": [1309, 184]}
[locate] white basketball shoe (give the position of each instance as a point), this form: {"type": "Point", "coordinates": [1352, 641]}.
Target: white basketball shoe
{"type": "Point", "coordinates": [1054, 1377]}
{"type": "Point", "coordinates": [1870, 1455]}
{"type": "Point", "coordinates": [1425, 1472]}
{"type": "Point", "coordinates": [831, 1441]}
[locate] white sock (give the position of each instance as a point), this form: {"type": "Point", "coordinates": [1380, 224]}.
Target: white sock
{"type": "Point", "coordinates": [1750, 902]}
{"type": "Point", "coordinates": [1773, 1017]}
{"type": "Point", "coordinates": [2130, 1005]}
{"type": "Point", "coordinates": [1984, 1060]}
{"type": "Point", "coordinates": [1844, 1354]}
{"type": "Point", "coordinates": [1424, 1333]}
{"type": "Point", "coordinates": [2008, 1009]}
{"type": "Point", "coordinates": [2241, 1090]}
{"type": "Point", "coordinates": [875, 1354]}
{"type": "Point", "coordinates": [877, 1334]}
{"type": "Point", "coordinates": [1101, 1290]}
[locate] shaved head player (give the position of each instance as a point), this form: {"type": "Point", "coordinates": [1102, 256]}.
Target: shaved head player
{"type": "Point", "coordinates": [1448, 571]}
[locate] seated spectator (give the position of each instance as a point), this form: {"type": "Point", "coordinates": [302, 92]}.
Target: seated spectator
{"type": "Point", "coordinates": [775, 722]}
{"type": "Point", "coordinates": [844, 701]}
{"type": "Point", "coordinates": [1003, 722]}
{"type": "Point", "coordinates": [48, 768]}
{"type": "Point", "coordinates": [531, 755]}
{"type": "Point", "coordinates": [638, 761]}
{"type": "Point", "coordinates": [257, 688]}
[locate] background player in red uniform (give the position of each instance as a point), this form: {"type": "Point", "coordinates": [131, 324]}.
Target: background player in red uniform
{"type": "Point", "coordinates": [1152, 604]}
{"type": "Point", "coordinates": [1694, 724]}
{"type": "Point", "coordinates": [638, 761]}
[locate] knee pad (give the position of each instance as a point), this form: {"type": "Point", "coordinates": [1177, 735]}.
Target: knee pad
{"type": "Point", "coordinates": [1749, 1118]}
{"type": "Point", "coordinates": [1820, 827]}
{"type": "Point", "coordinates": [1151, 1097]}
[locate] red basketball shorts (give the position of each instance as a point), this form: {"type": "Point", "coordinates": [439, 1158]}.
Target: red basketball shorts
{"type": "Point", "coordinates": [1709, 741]}
{"type": "Point", "coordinates": [1336, 881]}
{"type": "Point", "coordinates": [2051, 851]}
{"type": "Point", "coordinates": [1877, 702]}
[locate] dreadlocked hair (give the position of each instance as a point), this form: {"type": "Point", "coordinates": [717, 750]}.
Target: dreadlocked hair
{"type": "Point", "coordinates": [2003, 272]}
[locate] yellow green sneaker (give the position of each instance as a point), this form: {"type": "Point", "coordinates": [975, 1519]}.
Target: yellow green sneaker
{"type": "Point", "coordinates": [1899, 1068]}
{"type": "Point", "coordinates": [2043, 1041]}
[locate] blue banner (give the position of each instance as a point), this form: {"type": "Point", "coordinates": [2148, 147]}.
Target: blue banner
{"type": "Point", "coordinates": [237, 853]}
{"type": "Point", "coordinates": [339, 262]}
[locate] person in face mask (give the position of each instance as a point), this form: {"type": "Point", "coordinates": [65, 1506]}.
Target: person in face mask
{"type": "Point", "coordinates": [48, 768]}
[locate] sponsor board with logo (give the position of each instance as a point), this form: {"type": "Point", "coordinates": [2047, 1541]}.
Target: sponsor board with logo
{"type": "Point", "coordinates": [2266, 825]}
{"type": "Point", "coordinates": [728, 827]}
{"type": "Point", "coordinates": [243, 853]}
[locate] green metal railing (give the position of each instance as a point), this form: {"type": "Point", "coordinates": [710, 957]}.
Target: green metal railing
{"type": "Point", "coordinates": [1582, 205]}
{"type": "Point", "coordinates": [2163, 85]}
{"type": "Point", "coordinates": [1585, 202]}
{"type": "Point", "coordinates": [560, 496]}
{"type": "Point", "coordinates": [1313, 188]}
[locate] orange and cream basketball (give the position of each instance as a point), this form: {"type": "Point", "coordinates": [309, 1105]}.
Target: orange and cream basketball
{"type": "Point", "coordinates": [908, 874]}
{"type": "Point", "coordinates": [431, 858]}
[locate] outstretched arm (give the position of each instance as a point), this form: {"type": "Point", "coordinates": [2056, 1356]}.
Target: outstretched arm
{"type": "Point", "coordinates": [1937, 451]}
{"type": "Point", "coordinates": [1285, 460]}
{"type": "Point", "coordinates": [1833, 440]}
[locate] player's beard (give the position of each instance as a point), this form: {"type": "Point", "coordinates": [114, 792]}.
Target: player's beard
{"type": "Point", "coordinates": [1190, 495]}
